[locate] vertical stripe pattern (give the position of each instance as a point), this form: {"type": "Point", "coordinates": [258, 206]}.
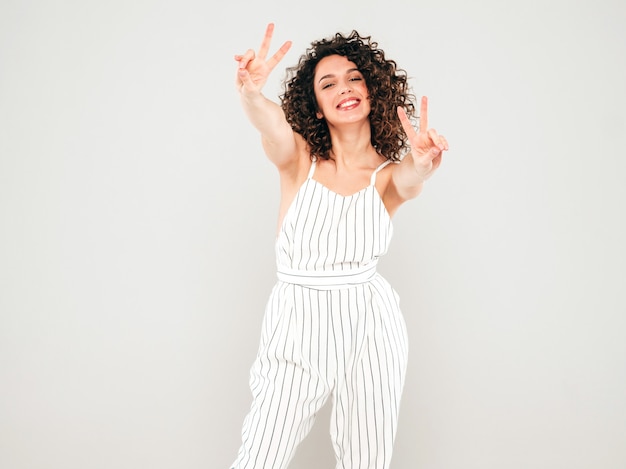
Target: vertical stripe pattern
{"type": "Point", "coordinates": [344, 341]}
{"type": "Point", "coordinates": [326, 231]}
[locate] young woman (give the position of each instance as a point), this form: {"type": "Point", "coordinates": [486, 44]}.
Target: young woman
{"type": "Point", "coordinates": [348, 157]}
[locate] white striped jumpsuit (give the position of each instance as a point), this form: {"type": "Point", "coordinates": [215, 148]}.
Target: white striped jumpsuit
{"type": "Point", "coordinates": [332, 327]}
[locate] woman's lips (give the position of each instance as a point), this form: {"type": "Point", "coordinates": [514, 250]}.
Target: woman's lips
{"type": "Point", "coordinates": [349, 103]}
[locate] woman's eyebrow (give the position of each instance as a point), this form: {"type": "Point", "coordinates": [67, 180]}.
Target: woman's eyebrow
{"type": "Point", "coordinates": [331, 75]}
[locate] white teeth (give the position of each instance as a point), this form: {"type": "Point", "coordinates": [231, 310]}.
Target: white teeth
{"type": "Point", "coordinates": [352, 102]}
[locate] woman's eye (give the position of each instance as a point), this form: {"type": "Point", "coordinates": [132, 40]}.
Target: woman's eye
{"type": "Point", "coordinates": [327, 85]}
{"type": "Point", "coordinates": [356, 79]}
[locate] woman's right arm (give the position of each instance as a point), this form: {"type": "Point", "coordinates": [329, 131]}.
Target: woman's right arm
{"type": "Point", "coordinates": [278, 138]}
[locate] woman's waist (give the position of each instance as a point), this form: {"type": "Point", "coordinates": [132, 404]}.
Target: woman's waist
{"type": "Point", "coordinates": [341, 275]}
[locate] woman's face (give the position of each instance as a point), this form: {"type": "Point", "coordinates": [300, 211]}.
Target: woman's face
{"type": "Point", "coordinates": [340, 90]}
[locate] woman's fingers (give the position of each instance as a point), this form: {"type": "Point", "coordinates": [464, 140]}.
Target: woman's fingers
{"type": "Point", "coordinates": [406, 123]}
{"type": "Point", "coordinates": [424, 114]}
{"type": "Point", "coordinates": [423, 117]}
{"type": "Point", "coordinates": [435, 163]}
{"type": "Point", "coordinates": [444, 142]}
{"type": "Point", "coordinates": [265, 47]}
{"type": "Point", "coordinates": [278, 56]}
{"type": "Point", "coordinates": [427, 143]}
{"type": "Point", "coordinates": [438, 140]}
{"type": "Point", "coordinates": [427, 146]}
{"type": "Point", "coordinates": [244, 76]}
{"type": "Point", "coordinates": [267, 39]}
{"type": "Point", "coordinates": [245, 59]}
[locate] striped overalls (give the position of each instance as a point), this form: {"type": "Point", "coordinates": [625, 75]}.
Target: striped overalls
{"type": "Point", "coordinates": [332, 327]}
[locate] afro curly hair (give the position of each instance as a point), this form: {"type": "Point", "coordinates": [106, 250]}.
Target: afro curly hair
{"type": "Point", "coordinates": [387, 86]}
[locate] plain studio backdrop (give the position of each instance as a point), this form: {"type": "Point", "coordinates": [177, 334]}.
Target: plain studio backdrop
{"type": "Point", "coordinates": [138, 216]}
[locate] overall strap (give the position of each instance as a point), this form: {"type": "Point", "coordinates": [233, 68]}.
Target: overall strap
{"type": "Point", "coordinates": [381, 166]}
{"type": "Point", "coordinates": [312, 169]}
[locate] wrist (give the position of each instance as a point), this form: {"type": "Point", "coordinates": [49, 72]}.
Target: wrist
{"type": "Point", "coordinates": [251, 98]}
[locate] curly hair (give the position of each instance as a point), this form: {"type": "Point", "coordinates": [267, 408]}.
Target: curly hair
{"type": "Point", "coordinates": [387, 86]}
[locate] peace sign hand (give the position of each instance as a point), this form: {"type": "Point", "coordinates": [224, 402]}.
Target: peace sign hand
{"type": "Point", "coordinates": [253, 70]}
{"type": "Point", "coordinates": [427, 146]}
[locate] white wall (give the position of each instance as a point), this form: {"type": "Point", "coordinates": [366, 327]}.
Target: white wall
{"type": "Point", "coordinates": [138, 213]}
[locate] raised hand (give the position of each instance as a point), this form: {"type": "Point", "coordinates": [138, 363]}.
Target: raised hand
{"type": "Point", "coordinates": [427, 146]}
{"type": "Point", "coordinates": [254, 69]}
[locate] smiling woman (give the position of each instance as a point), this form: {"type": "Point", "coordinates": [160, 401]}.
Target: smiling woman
{"type": "Point", "coordinates": [347, 157]}
{"type": "Point", "coordinates": [348, 87]}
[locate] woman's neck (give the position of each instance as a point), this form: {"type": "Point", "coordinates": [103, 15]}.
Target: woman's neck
{"type": "Point", "coordinates": [352, 147]}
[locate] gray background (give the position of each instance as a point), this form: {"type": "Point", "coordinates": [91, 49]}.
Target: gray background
{"type": "Point", "coordinates": [138, 216]}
